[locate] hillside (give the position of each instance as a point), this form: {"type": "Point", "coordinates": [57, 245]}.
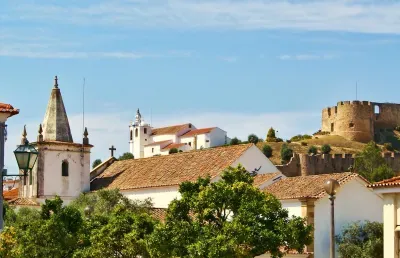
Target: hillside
{"type": "Point", "coordinates": [338, 144]}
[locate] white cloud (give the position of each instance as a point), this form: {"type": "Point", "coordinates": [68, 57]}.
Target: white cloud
{"type": "Point", "coordinates": [305, 57]}
{"type": "Point", "coordinates": [112, 128]}
{"type": "Point", "coordinates": [329, 15]}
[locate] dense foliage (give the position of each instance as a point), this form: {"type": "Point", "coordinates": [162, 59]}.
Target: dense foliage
{"type": "Point", "coordinates": [326, 149]}
{"type": "Point", "coordinates": [363, 240]}
{"type": "Point", "coordinates": [267, 150]}
{"type": "Point", "coordinates": [271, 136]}
{"type": "Point", "coordinates": [312, 150]}
{"type": "Point", "coordinates": [252, 138]}
{"type": "Point", "coordinates": [300, 137]}
{"type": "Point", "coordinates": [234, 141]}
{"type": "Point", "coordinates": [228, 218]}
{"type": "Point", "coordinates": [173, 150]}
{"type": "Point", "coordinates": [286, 153]}
{"type": "Point", "coordinates": [371, 165]}
{"type": "Point", "coordinates": [96, 163]}
{"type": "Point", "coordinates": [125, 156]}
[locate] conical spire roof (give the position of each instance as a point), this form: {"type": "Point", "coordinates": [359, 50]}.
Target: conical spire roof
{"type": "Point", "coordinates": [55, 124]}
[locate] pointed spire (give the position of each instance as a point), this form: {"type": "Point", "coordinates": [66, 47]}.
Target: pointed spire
{"type": "Point", "coordinates": [24, 134]}
{"type": "Point", "coordinates": [85, 137]}
{"type": "Point", "coordinates": [55, 124]}
{"type": "Point", "coordinates": [138, 118]}
{"type": "Point", "coordinates": [56, 82]}
{"type": "Point", "coordinates": [40, 136]}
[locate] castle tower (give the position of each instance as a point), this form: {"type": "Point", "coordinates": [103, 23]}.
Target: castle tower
{"type": "Point", "coordinates": [139, 133]}
{"type": "Point", "coordinates": [62, 167]}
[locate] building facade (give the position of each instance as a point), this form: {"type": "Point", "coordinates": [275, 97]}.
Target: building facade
{"type": "Point", "coordinates": [146, 141]}
{"type": "Point", "coordinates": [360, 120]}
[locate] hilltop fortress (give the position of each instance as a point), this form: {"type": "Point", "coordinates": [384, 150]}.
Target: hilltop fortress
{"type": "Point", "coordinates": [360, 120]}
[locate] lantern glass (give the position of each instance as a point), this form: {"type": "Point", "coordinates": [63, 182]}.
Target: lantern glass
{"type": "Point", "coordinates": [331, 186]}
{"type": "Point", "coordinates": [26, 156]}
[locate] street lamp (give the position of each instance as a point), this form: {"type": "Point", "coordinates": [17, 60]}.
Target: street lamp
{"type": "Point", "coordinates": [330, 188]}
{"type": "Point", "coordinates": [26, 156]}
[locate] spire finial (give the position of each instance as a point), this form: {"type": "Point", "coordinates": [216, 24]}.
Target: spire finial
{"type": "Point", "coordinates": [24, 134]}
{"type": "Point", "coordinates": [85, 133]}
{"type": "Point", "coordinates": [85, 137]}
{"type": "Point", "coordinates": [40, 136]}
{"type": "Point", "coordinates": [56, 82]}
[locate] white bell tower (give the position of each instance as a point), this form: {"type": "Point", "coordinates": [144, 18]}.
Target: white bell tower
{"type": "Point", "coordinates": [140, 133]}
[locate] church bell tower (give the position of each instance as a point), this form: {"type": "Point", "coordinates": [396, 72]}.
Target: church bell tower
{"type": "Point", "coordinates": [140, 133]}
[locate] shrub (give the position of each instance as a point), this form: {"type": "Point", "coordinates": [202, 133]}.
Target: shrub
{"type": "Point", "coordinates": [300, 137]}
{"type": "Point", "coordinates": [96, 163]}
{"type": "Point", "coordinates": [234, 141]}
{"type": "Point", "coordinates": [388, 146]}
{"type": "Point", "coordinates": [326, 149]}
{"type": "Point", "coordinates": [125, 156]}
{"type": "Point", "coordinates": [288, 141]}
{"type": "Point", "coordinates": [286, 153]}
{"type": "Point", "coordinates": [252, 138]}
{"type": "Point", "coordinates": [279, 140]}
{"type": "Point", "coordinates": [313, 150]}
{"type": "Point", "coordinates": [173, 150]}
{"type": "Point", "coordinates": [271, 137]}
{"type": "Point", "coordinates": [303, 144]}
{"type": "Point", "coordinates": [267, 150]}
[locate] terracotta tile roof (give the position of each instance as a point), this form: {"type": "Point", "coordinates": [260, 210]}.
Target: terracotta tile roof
{"type": "Point", "coordinates": [394, 181]}
{"type": "Point", "coordinates": [7, 108]}
{"type": "Point", "coordinates": [168, 170]}
{"type": "Point", "coordinates": [262, 178]}
{"type": "Point", "coordinates": [198, 131]}
{"type": "Point", "coordinates": [307, 186]}
{"type": "Point", "coordinates": [23, 202]}
{"type": "Point", "coordinates": [158, 213]}
{"type": "Point", "coordinates": [157, 143]}
{"type": "Point", "coordinates": [11, 194]}
{"type": "Point", "coordinates": [173, 145]}
{"type": "Point", "coordinates": [170, 129]}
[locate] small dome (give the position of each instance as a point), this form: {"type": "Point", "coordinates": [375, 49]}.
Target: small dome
{"type": "Point", "coordinates": [143, 123]}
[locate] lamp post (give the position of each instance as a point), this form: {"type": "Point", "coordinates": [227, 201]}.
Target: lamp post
{"type": "Point", "coordinates": [330, 188]}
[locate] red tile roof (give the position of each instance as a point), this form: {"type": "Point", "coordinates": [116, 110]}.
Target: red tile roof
{"type": "Point", "coordinates": [170, 129]}
{"type": "Point", "coordinates": [307, 186]}
{"type": "Point", "coordinates": [7, 108]}
{"type": "Point", "coordinates": [157, 143]}
{"type": "Point", "coordinates": [11, 194]}
{"type": "Point", "coordinates": [198, 131]}
{"type": "Point", "coordinates": [394, 181]}
{"type": "Point", "coordinates": [23, 202]}
{"type": "Point", "coordinates": [173, 145]}
{"type": "Point", "coordinates": [260, 179]}
{"type": "Point", "coordinates": [168, 170]}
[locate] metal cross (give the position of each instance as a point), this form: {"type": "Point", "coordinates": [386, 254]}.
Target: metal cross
{"type": "Point", "coordinates": [112, 149]}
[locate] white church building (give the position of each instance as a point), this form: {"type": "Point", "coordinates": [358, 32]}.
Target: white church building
{"type": "Point", "coordinates": [146, 141]}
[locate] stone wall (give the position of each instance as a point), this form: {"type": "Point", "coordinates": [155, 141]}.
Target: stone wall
{"type": "Point", "coordinates": [304, 164]}
{"type": "Point", "coordinates": [357, 120]}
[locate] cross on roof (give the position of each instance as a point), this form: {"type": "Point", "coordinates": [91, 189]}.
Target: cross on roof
{"type": "Point", "coordinates": [112, 149]}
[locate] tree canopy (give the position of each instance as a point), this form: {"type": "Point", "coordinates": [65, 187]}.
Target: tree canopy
{"type": "Point", "coordinates": [125, 156]}
{"type": "Point", "coordinates": [227, 218]}
{"type": "Point", "coordinates": [371, 165]}
{"type": "Point", "coordinates": [96, 163]}
{"type": "Point", "coordinates": [252, 138]}
{"type": "Point", "coordinates": [271, 136]}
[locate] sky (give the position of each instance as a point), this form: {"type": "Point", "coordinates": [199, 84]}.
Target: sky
{"type": "Point", "coordinates": [243, 66]}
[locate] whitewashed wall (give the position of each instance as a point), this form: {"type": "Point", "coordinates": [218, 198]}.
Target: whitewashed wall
{"type": "Point", "coordinates": [254, 158]}
{"type": "Point", "coordinates": [293, 207]}
{"type": "Point", "coordinates": [160, 196]}
{"type": "Point", "coordinates": [150, 151]}
{"type": "Point", "coordinates": [353, 202]}
{"type": "Point", "coordinates": [217, 137]}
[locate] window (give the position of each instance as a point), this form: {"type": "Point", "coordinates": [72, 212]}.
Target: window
{"type": "Point", "coordinates": [131, 135]}
{"type": "Point", "coordinates": [30, 177]}
{"type": "Point", "coordinates": [136, 132]}
{"type": "Point", "coordinates": [190, 143]}
{"type": "Point", "coordinates": [152, 150]}
{"type": "Point", "coordinates": [332, 127]}
{"type": "Point", "coordinates": [145, 130]}
{"type": "Point", "coordinates": [207, 140]}
{"type": "Point", "coordinates": [377, 109]}
{"type": "Point", "coordinates": [351, 125]}
{"type": "Point", "coordinates": [64, 168]}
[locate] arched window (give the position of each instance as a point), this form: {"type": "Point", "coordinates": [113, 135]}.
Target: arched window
{"type": "Point", "coordinates": [136, 132]}
{"type": "Point", "coordinates": [145, 130]}
{"type": "Point", "coordinates": [131, 135]}
{"type": "Point", "coordinates": [64, 168]}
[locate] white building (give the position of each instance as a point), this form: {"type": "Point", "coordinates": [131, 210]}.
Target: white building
{"type": "Point", "coordinates": [146, 141]}
{"type": "Point", "coordinates": [390, 191]}
{"type": "Point", "coordinates": [159, 177]}
{"type": "Point", "coordinates": [305, 196]}
{"type": "Point", "coordinates": [63, 166]}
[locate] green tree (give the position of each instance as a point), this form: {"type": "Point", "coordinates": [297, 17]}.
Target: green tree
{"type": "Point", "coordinates": [125, 156]}
{"type": "Point", "coordinates": [96, 163]}
{"type": "Point", "coordinates": [361, 239]}
{"type": "Point", "coordinates": [326, 149]}
{"type": "Point", "coordinates": [371, 165]}
{"type": "Point", "coordinates": [267, 150]}
{"type": "Point", "coordinates": [271, 137]}
{"type": "Point", "coordinates": [312, 150]}
{"type": "Point", "coordinates": [286, 153]}
{"type": "Point", "coordinates": [173, 150]}
{"type": "Point", "coordinates": [252, 138]}
{"type": "Point", "coordinates": [227, 218]}
{"type": "Point", "coordinates": [234, 141]}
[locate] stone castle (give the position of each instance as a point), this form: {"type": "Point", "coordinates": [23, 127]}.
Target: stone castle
{"type": "Point", "coordinates": [360, 120]}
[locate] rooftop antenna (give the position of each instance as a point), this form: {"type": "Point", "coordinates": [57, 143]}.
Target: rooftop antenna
{"type": "Point", "coordinates": [83, 114]}
{"type": "Point", "coordinates": [151, 118]}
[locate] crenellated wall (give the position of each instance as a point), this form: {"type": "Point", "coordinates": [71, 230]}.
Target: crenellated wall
{"type": "Point", "coordinates": [357, 120]}
{"type": "Point", "coordinates": [304, 164]}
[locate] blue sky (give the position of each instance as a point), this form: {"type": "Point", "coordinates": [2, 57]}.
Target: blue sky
{"type": "Point", "coordinates": [241, 65]}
